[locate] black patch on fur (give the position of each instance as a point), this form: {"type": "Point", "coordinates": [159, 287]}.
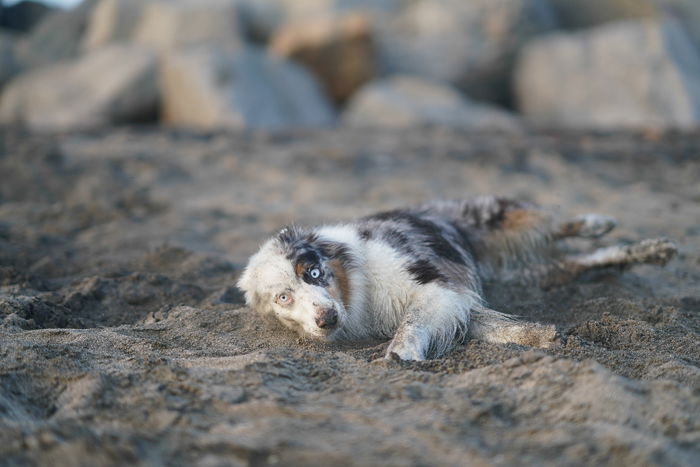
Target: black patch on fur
{"type": "Point", "coordinates": [395, 215]}
{"type": "Point", "coordinates": [339, 251]}
{"type": "Point", "coordinates": [304, 249]}
{"type": "Point", "coordinates": [397, 240]}
{"type": "Point", "coordinates": [424, 272]}
{"type": "Point", "coordinates": [321, 280]}
{"type": "Point", "coordinates": [464, 239]}
{"type": "Point", "coordinates": [298, 244]}
{"type": "Point", "coordinates": [308, 256]}
{"type": "Point", "coordinates": [434, 237]}
{"type": "Point", "coordinates": [291, 235]}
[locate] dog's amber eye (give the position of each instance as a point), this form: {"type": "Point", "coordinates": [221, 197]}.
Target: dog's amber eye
{"type": "Point", "coordinates": [315, 273]}
{"type": "Point", "coordinates": [284, 299]}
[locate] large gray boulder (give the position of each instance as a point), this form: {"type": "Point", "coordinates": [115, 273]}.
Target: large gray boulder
{"type": "Point", "coordinates": [168, 24]}
{"type": "Point", "coordinates": [685, 11]}
{"type": "Point", "coordinates": [582, 14]}
{"type": "Point", "coordinates": [174, 23]}
{"type": "Point", "coordinates": [406, 101]}
{"type": "Point", "coordinates": [209, 87]}
{"type": "Point", "coordinates": [628, 74]}
{"type": "Point", "coordinates": [469, 44]}
{"type": "Point", "coordinates": [113, 21]}
{"type": "Point", "coordinates": [116, 84]}
{"type": "Point", "coordinates": [57, 37]}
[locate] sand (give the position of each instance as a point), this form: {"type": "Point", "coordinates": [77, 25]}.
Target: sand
{"type": "Point", "coordinates": [123, 339]}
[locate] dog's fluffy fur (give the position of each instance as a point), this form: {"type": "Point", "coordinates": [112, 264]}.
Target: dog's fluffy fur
{"type": "Point", "coordinates": [415, 275]}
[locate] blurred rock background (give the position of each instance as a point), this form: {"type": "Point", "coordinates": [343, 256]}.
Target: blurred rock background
{"type": "Point", "coordinates": [285, 64]}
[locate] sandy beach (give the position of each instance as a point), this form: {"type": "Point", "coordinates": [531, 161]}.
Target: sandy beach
{"type": "Point", "coordinates": [124, 341]}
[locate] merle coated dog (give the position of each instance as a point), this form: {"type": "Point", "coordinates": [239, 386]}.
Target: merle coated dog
{"type": "Point", "coordinates": [415, 275]}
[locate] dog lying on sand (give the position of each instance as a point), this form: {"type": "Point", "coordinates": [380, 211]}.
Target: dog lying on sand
{"type": "Point", "coordinates": [415, 275]}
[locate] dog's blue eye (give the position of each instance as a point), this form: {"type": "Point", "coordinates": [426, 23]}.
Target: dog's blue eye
{"type": "Point", "coordinates": [315, 273]}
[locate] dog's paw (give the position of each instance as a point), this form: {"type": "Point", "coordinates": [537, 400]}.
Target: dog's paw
{"type": "Point", "coordinates": [559, 340]}
{"type": "Point", "coordinates": [391, 359]}
{"type": "Point", "coordinates": [543, 336]}
{"type": "Point", "coordinates": [400, 351]}
{"type": "Point", "coordinates": [594, 225]}
{"type": "Point", "coordinates": [653, 251]}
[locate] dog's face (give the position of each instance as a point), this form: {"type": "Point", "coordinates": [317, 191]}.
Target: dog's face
{"type": "Point", "coordinates": [301, 280]}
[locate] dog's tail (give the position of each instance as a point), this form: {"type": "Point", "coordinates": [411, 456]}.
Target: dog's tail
{"type": "Point", "coordinates": [499, 328]}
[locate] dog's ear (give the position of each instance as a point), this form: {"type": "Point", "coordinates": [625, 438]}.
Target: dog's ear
{"type": "Point", "coordinates": [288, 235]}
{"type": "Point", "coordinates": [245, 285]}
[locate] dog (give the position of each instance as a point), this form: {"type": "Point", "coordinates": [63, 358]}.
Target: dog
{"type": "Point", "coordinates": [415, 275]}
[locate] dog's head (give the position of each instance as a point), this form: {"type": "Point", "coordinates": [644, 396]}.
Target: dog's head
{"type": "Point", "coordinates": [302, 280]}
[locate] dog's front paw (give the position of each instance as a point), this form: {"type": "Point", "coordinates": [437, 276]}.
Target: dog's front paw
{"type": "Point", "coordinates": [403, 351]}
{"type": "Point", "coordinates": [391, 359]}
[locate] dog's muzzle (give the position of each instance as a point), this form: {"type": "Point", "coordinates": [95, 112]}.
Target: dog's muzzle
{"type": "Point", "coordinates": [326, 319]}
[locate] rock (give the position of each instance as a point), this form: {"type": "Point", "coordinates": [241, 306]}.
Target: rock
{"type": "Point", "coordinates": [57, 37]}
{"type": "Point", "coordinates": [171, 24]}
{"type": "Point", "coordinates": [209, 87]}
{"type": "Point", "coordinates": [405, 101]}
{"type": "Point", "coordinates": [259, 19]}
{"type": "Point", "coordinates": [685, 11]}
{"type": "Point", "coordinates": [628, 74]}
{"type": "Point", "coordinates": [581, 14]}
{"type": "Point", "coordinates": [168, 24]}
{"type": "Point", "coordinates": [295, 10]}
{"type": "Point", "coordinates": [9, 65]}
{"type": "Point", "coordinates": [471, 44]}
{"type": "Point", "coordinates": [262, 18]}
{"type": "Point", "coordinates": [23, 16]}
{"type": "Point", "coordinates": [116, 84]}
{"type": "Point", "coordinates": [113, 21]}
{"type": "Point", "coordinates": [337, 50]}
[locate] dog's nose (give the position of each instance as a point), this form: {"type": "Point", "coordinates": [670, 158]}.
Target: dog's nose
{"type": "Point", "coordinates": [327, 318]}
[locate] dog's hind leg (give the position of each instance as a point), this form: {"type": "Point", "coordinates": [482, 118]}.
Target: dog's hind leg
{"type": "Point", "coordinates": [584, 226]}
{"type": "Point", "coordinates": [499, 328]}
{"type": "Point", "coordinates": [504, 233]}
{"type": "Point", "coordinates": [652, 251]}
{"type": "Point", "coordinates": [501, 226]}
{"type": "Point", "coordinates": [498, 229]}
